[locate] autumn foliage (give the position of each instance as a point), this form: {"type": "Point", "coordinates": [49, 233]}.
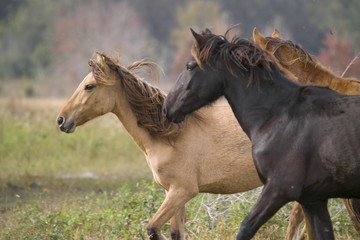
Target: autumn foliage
{"type": "Point", "coordinates": [338, 54]}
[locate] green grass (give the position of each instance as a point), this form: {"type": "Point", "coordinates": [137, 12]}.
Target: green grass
{"type": "Point", "coordinates": [125, 212]}
{"type": "Point", "coordinates": [32, 145]}
{"type": "Point", "coordinates": [44, 195]}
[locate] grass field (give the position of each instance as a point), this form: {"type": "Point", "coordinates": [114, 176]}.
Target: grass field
{"type": "Point", "coordinates": [95, 184]}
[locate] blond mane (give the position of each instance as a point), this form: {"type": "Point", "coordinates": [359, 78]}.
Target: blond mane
{"type": "Point", "coordinates": [277, 43]}
{"type": "Point", "coordinates": [146, 101]}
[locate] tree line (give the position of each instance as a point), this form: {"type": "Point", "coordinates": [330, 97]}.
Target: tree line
{"type": "Point", "coordinates": [40, 38]}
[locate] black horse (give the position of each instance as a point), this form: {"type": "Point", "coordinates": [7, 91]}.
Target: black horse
{"type": "Point", "coordinates": [306, 140]}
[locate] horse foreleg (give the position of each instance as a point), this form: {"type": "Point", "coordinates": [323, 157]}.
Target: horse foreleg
{"type": "Point", "coordinates": [266, 206]}
{"type": "Point", "coordinates": [319, 219]}
{"type": "Point", "coordinates": [177, 225]}
{"type": "Point", "coordinates": [295, 219]}
{"type": "Point", "coordinates": [174, 201]}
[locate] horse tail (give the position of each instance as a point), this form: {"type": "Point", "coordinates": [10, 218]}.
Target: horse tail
{"type": "Point", "coordinates": [353, 207]}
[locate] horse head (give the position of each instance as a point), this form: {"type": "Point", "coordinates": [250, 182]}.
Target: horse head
{"type": "Point", "coordinates": [190, 92]}
{"type": "Point", "coordinates": [92, 98]}
{"type": "Point", "coordinates": [283, 50]}
{"type": "Point", "coordinates": [294, 58]}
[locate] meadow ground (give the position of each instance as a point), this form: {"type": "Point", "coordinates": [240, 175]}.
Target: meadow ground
{"type": "Point", "coordinates": [95, 184]}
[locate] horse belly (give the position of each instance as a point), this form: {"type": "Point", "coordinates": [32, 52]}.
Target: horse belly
{"type": "Point", "coordinates": [233, 174]}
{"type": "Point", "coordinates": [341, 158]}
{"type": "Point", "coordinates": [334, 169]}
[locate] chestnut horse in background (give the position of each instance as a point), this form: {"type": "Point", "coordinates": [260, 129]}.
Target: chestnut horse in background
{"type": "Point", "coordinates": [208, 153]}
{"type": "Point", "coordinates": [308, 70]}
{"type": "Point", "coordinates": [303, 65]}
{"type": "Point", "coordinates": [294, 129]}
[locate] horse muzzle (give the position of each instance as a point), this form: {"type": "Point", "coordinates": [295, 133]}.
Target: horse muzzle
{"type": "Point", "coordinates": [67, 127]}
{"type": "Point", "coordinates": [175, 117]}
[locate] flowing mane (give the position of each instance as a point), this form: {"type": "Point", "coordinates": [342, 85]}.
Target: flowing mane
{"type": "Point", "coordinates": [146, 101]}
{"type": "Point", "coordinates": [306, 67]}
{"type": "Point", "coordinates": [236, 53]}
{"type": "Point", "coordinates": [277, 43]}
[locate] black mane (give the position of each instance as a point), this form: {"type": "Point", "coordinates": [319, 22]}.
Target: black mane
{"type": "Point", "coordinates": [237, 53]}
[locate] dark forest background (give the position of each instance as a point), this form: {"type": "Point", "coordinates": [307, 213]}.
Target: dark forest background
{"type": "Point", "coordinates": [45, 44]}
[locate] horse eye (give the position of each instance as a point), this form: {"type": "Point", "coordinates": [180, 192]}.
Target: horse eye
{"type": "Point", "coordinates": [190, 66]}
{"type": "Point", "coordinates": [89, 87]}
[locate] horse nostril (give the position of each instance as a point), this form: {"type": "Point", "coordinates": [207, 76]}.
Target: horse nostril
{"type": "Point", "coordinates": [60, 121]}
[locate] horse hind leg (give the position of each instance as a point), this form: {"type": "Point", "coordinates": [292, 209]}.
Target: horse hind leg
{"type": "Point", "coordinates": [353, 208]}
{"type": "Point", "coordinates": [296, 217]}
{"type": "Point", "coordinates": [307, 229]}
{"type": "Point", "coordinates": [319, 219]}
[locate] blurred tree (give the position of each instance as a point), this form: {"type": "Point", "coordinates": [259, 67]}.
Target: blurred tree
{"type": "Point", "coordinates": [57, 37]}
{"type": "Point", "coordinates": [341, 18]}
{"type": "Point", "coordinates": [26, 37]}
{"type": "Point", "coordinates": [337, 56]}
{"type": "Point", "coordinates": [296, 18]}
{"type": "Point", "coordinates": [80, 30]}
{"type": "Point", "coordinates": [159, 16]}
{"type": "Point", "coordinates": [196, 14]}
{"type": "Point", "coordinates": [8, 7]}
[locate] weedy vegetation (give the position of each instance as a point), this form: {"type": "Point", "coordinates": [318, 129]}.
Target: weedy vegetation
{"type": "Point", "coordinates": [95, 184]}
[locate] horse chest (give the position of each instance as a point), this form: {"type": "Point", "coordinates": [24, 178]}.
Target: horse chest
{"type": "Point", "coordinates": [277, 152]}
{"type": "Point", "coordinates": [263, 155]}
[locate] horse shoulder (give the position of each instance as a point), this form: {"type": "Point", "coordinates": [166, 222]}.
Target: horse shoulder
{"type": "Point", "coordinates": [222, 149]}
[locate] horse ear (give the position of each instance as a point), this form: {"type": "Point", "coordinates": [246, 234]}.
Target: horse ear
{"type": "Point", "coordinates": [200, 40]}
{"type": "Point", "coordinates": [207, 31]}
{"type": "Point", "coordinates": [276, 34]}
{"type": "Point", "coordinates": [100, 60]}
{"type": "Point", "coordinates": [258, 37]}
{"type": "Point", "coordinates": [104, 76]}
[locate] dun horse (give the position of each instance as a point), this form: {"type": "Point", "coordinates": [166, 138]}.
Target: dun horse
{"type": "Point", "coordinates": [184, 159]}
{"type": "Point", "coordinates": [308, 70]}
{"type": "Point", "coordinates": [294, 129]}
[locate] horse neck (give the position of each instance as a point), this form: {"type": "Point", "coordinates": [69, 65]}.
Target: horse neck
{"type": "Point", "coordinates": [314, 73]}
{"type": "Point", "coordinates": [254, 105]}
{"type": "Point", "coordinates": [350, 86]}
{"type": "Point", "coordinates": [123, 111]}
{"type": "Point", "coordinates": [310, 72]}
